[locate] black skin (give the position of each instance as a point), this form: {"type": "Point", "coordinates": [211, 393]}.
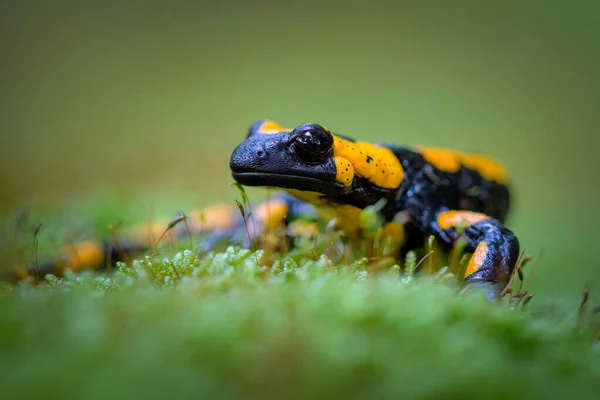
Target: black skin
{"type": "Point", "coordinates": [275, 160]}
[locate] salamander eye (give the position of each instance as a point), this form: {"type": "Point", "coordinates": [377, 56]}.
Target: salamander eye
{"type": "Point", "coordinates": [312, 143]}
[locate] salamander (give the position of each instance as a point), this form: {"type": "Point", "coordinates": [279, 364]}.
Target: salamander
{"type": "Point", "coordinates": [446, 193]}
{"type": "Point", "coordinates": [418, 191]}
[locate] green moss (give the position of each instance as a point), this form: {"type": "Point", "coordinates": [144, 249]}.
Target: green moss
{"type": "Point", "coordinates": [224, 326]}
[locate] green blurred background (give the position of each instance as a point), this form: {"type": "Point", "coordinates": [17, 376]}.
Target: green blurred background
{"type": "Point", "coordinates": [137, 107]}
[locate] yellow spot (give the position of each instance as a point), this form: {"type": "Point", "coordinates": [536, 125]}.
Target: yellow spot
{"type": "Point", "coordinates": [344, 171]}
{"type": "Point", "coordinates": [449, 160]}
{"type": "Point", "coordinates": [20, 272]}
{"type": "Point", "coordinates": [213, 217]}
{"type": "Point", "coordinates": [347, 219]}
{"type": "Point", "coordinates": [149, 232]}
{"type": "Point", "coordinates": [269, 127]}
{"type": "Point", "coordinates": [303, 228]}
{"type": "Point", "coordinates": [392, 237]}
{"type": "Point", "coordinates": [453, 219]}
{"type": "Point", "coordinates": [87, 254]}
{"type": "Point", "coordinates": [487, 167]}
{"type": "Point", "coordinates": [394, 231]}
{"type": "Point", "coordinates": [443, 159]}
{"type": "Point", "coordinates": [477, 259]}
{"type": "Point", "coordinates": [206, 219]}
{"type": "Point", "coordinates": [270, 215]}
{"type": "Point", "coordinates": [375, 163]}
{"type": "Point", "coordinates": [346, 216]}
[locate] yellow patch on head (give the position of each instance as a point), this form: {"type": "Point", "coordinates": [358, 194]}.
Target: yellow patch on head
{"type": "Point", "coordinates": [477, 259]}
{"type": "Point", "coordinates": [269, 127]}
{"type": "Point", "coordinates": [375, 163]}
{"type": "Point", "coordinates": [87, 254]}
{"type": "Point", "coordinates": [453, 219]}
{"type": "Point", "coordinates": [344, 171]}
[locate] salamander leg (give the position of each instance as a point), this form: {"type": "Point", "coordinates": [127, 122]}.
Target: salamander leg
{"type": "Point", "coordinates": [494, 248]}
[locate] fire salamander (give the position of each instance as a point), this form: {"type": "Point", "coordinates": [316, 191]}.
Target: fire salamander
{"type": "Point", "coordinates": [419, 191]}
{"type": "Point", "coordinates": [427, 191]}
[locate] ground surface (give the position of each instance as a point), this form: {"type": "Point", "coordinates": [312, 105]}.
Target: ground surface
{"type": "Point", "coordinates": [222, 326]}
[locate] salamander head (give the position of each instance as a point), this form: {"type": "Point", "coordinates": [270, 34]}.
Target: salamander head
{"type": "Point", "coordinates": [300, 160]}
{"type": "Point", "coordinates": [311, 159]}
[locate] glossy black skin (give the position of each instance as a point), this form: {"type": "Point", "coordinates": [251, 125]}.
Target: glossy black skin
{"type": "Point", "coordinates": [429, 191]}
{"type": "Point", "coordinates": [269, 160]}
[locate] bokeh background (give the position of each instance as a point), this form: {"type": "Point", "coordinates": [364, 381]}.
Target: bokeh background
{"type": "Point", "coordinates": [136, 107]}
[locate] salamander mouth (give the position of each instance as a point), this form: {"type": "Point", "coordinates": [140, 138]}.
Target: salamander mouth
{"type": "Point", "coordinates": [286, 181]}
